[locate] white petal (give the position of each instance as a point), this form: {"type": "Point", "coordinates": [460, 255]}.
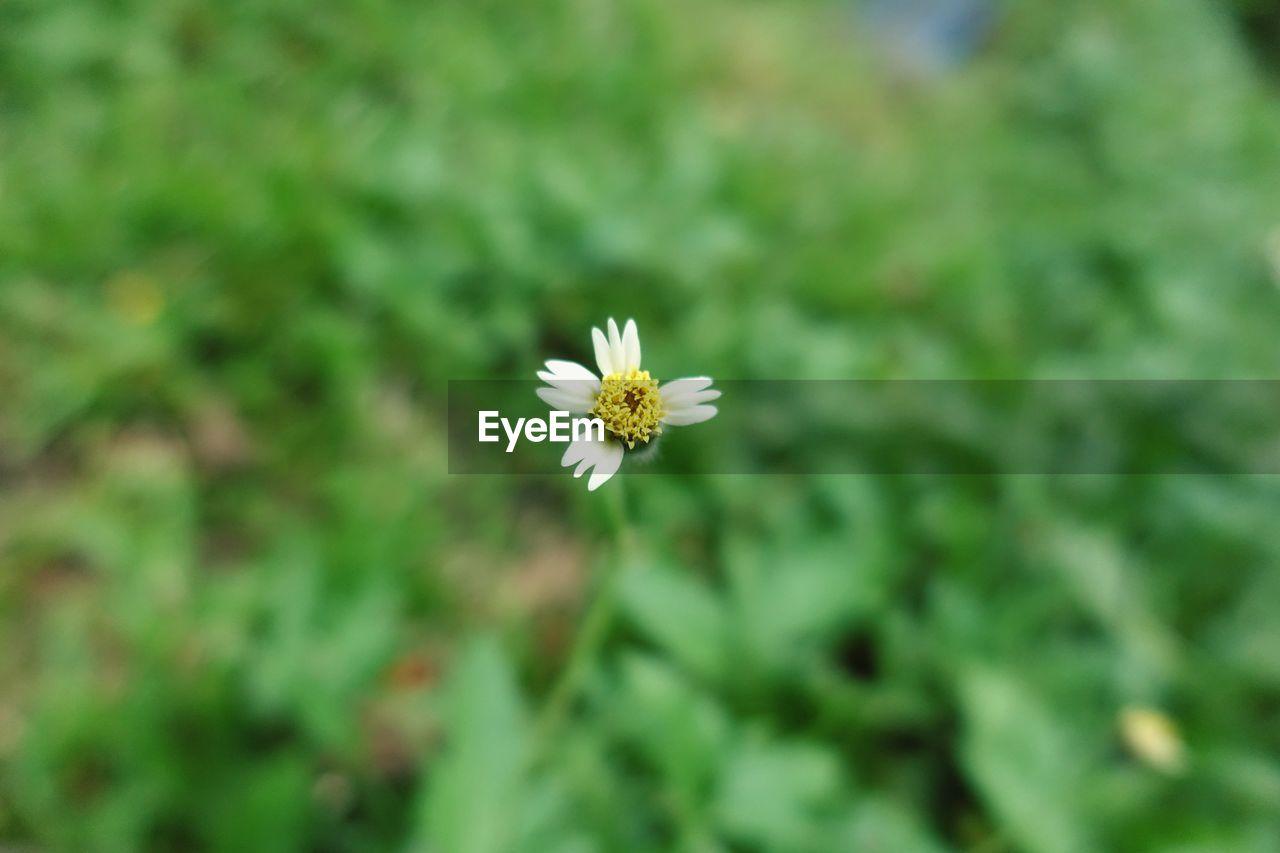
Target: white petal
{"type": "Point", "coordinates": [603, 456]}
{"type": "Point", "coordinates": [598, 452]}
{"type": "Point", "coordinates": [677, 388]}
{"type": "Point", "coordinates": [565, 383]}
{"type": "Point", "coordinates": [606, 466]}
{"type": "Point", "coordinates": [684, 401]}
{"type": "Point", "coordinates": [584, 452]}
{"type": "Point", "coordinates": [570, 370]}
{"type": "Point", "coordinates": [578, 395]}
{"type": "Point", "coordinates": [604, 356]}
{"type": "Point", "coordinates": [690, 415]}
{"type": "Point", "coordinates": [578, 401]}
{"type": "Point", "coordinates": [574, 453]}
{"type": "Point", "coordinates": [615, 347]}
{"type": "Point", "coordinates": [631, 346]}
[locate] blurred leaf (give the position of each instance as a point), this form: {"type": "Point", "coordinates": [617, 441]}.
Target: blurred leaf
{"type": "Point", "coordinates": [677, 727]}
{"type": "Point", "coordinates": [1025, 763]}
{"type": "Point", "coordinates": [1111, 586]}
{"type": "Point", "coordinates": [779, 796]}
{"type": "Point", "coordinates": [796, 602]}
{"type": "Point", "coordinates": [475, 790]}
{"type": "Point", "coordinates": [267, 800]}
{"type": "Point", "coordinates": [883, 825]}
{"type": "Point", "coordinates": [682, 615]}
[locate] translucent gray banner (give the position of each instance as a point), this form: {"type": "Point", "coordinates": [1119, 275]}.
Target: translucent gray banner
{"type": "Point", "coordinates": [914, 426]}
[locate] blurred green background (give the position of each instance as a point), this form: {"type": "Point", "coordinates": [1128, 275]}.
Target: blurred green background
{"type": "Point", "coordinates": [244, 245]}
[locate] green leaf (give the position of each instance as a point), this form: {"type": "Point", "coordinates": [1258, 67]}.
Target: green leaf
{"type": "Point", "coordinates": [885, 825]}
{"type": "Point", "coordinates": [786, 607]}
{"type": "Point", "coordinates": [475, 791]}
{"type": "Point", "coordinates": [681, 730]}
{"type": "Point", "coordinates": [680, 614]}
{"type": "Point", "coordinates": [779, 796]}
{"type": "Point", "coordinates": [1025, 764]}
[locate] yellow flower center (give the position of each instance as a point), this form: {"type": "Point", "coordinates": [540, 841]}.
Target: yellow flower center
{"type": "Point", "coordinates": [630, 406]}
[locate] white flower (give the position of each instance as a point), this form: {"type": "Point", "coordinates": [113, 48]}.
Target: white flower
{"type": "Point", "coordinates": [633, 407]}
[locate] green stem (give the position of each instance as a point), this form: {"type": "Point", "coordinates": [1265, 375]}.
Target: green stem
{"type": "Point", "coordinates": [595, 624]}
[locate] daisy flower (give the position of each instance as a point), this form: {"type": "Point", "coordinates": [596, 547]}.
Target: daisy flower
{"type": "Point", "coordinates": [632, 405]}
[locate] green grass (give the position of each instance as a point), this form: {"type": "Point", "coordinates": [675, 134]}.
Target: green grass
{"type": "Point", "coordinates": [243, 606]}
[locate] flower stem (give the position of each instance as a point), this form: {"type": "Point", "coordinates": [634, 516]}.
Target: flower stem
{"type": "Point", "coordinates": [595, 624]}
